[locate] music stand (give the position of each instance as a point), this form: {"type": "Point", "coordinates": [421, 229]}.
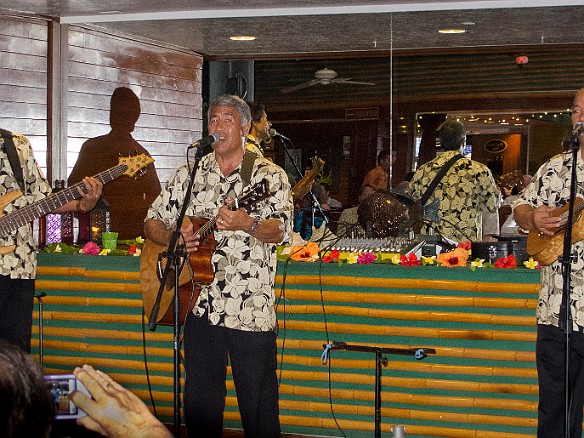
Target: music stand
{"type": "Point", "coordinates": [380, 359]}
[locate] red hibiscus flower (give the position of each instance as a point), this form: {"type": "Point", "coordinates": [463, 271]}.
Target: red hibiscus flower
{"type": "Point", "coordinates": [332, 257]}
{"type": "Point", "coordinates": [409, 260]}
{"type": "Point", "coordinates": [508, 262]}
{"type": "Point", "coordinates": [464, 245]}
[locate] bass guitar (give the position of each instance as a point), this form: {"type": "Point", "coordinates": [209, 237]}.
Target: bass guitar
{"type": "Point", "coordinates": [546, 249]}
{"type": "Point", "coordinates": [10, 222]}
{"type": "Point", "coordinates": [152, 264]}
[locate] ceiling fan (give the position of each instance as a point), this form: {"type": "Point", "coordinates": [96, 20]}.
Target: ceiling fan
{"type": "Point", "coordinates": [324, 76]}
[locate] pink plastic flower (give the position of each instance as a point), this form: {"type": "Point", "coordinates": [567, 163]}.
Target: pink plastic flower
{"type": "Point", "coordinates": [366, 258]}
{"type": "Point", "coordinates": [90, 248]}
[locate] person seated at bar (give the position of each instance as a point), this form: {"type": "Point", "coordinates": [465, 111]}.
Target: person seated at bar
{"type": "Point", "coordinates": [308, 216]}
{"type": "Point", "coordinates": [378, 177]}
{"type": "Point", "coordinates": [348, 224]}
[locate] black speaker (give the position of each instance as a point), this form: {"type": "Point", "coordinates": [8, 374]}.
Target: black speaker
{"type": "Point", "coordinates": [236, 85]}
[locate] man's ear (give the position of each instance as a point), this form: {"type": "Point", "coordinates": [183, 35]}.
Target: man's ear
{"type": "Point", "coordinates": [245, 129]}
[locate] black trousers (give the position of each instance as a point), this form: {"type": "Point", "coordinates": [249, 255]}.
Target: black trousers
{"type": "Point", "coordinates": [16, 303]}
{"type": "Point", "coordinates": [253, 365]}
{"type": "Point", "coordinates": [550, 354]}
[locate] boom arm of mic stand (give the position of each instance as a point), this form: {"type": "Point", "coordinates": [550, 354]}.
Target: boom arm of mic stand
{"type": "Point", "coordinates": [313, 199]}
{"type": "Point", "coordinates": [171, 252]}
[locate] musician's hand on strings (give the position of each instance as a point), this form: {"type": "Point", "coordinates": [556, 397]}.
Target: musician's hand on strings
{"type": "Point", "coordinates": [544, 222]}
{"type": "Point", "coordinates": [190, 237]}
{"type": "Point", "coordinates": [89, 199]}
{"type": "Point", "coordinates": [232, 220]}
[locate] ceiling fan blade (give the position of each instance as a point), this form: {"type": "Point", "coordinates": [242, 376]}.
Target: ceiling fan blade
{"type": "Point", "coordinates": [349, 81]}
{"type": "Point", "coordinates": [360, 83]}
{"type": "Point", "coordinates": [299, 86]}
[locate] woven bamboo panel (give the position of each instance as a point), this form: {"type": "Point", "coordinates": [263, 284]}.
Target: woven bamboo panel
{"type": "Point", "coordinates": [480, 383]}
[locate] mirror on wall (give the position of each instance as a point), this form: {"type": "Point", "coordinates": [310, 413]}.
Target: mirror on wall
{"type": "Point", "coordinates": [508, 141]}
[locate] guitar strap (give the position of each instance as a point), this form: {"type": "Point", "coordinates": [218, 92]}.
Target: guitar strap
{"type": "Point", "coordinates": [438, 178]}
{"type": "Point", "coordinates": [247, 167]}
{"type": "Point", "coordinates": [13, 157]}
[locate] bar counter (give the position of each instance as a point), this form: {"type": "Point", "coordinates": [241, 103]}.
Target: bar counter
{"type": "Point", "coordinates": [480, 383]}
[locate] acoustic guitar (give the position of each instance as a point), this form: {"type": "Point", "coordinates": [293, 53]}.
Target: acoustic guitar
{"type": "Point", "coordinates": [546, 249]}
{"type": "Point", "coordinates": [8, 223]}
{"type": "Point", "coordinates": [152, 264]}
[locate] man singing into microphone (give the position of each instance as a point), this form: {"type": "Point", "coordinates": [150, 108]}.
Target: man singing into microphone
{"type": "Point", "coordinates": [259, 134]}
{"type": "Point", "coordinates": [234, 317]}
{"type": "Point", "coordinates": [550, 189]}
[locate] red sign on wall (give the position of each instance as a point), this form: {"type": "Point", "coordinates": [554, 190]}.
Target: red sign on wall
{"type": "Point", "coordinates": [362, 113]}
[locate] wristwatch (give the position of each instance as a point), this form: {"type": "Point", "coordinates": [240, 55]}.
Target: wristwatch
{"type": "Point", "coordinates": [256, 221]}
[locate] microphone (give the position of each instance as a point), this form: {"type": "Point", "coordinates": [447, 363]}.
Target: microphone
{"type": "Point", "coordinates": [205, 141]}
{"type": "Point", "coordinates": [274, 133]}
{"type": "Point", "coordinates": [578, 128]}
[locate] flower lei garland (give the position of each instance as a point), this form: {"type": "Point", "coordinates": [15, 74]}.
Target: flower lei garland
{"type": "Point", "coordinates": [458, 257]}
{"type": "Point", "coordinates": [91, 248]}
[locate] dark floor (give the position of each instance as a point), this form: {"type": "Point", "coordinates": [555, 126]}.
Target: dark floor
{"type": "Point", "coordinates": [69, 429]}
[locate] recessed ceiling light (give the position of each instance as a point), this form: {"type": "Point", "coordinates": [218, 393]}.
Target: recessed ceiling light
{"type": "Point", "coordinates": [242, 38]}
{"type": "Point", "coordinates": [452, 31]}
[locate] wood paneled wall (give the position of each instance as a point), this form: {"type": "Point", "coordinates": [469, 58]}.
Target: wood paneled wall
{"type": "Point", "coordinates": [167, 81]}
{"type": "Point", "coordinates": [23, 80]}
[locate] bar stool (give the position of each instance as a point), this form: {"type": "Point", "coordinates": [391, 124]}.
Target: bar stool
{"type": "Point", "coordinates": [39, 297]}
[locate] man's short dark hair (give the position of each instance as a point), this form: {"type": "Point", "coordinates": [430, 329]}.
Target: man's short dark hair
{"type": "Point", "coordinates": [383, 155]}
{"type": "Point", "coordinates": [452, 134]}
{"type": "Point", "coordinates": [25, 402]}
{"type": "Point", "coordinates": [257, 110]}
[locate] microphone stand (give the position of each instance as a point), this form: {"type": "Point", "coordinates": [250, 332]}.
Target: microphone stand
{"type": "Point", "coordinates": [173, 254]}
{"type": "Point", "coordinates": [315, 203]}
{"type": "Point", "coordinates": [565, 321]}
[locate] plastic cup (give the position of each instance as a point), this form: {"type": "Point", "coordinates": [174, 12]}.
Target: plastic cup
{"type": "Point", "coordinates": [109, 240]}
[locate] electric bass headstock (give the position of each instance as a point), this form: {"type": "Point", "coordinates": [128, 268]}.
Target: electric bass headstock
{"type": "Point", "coordinates": [135, 163]}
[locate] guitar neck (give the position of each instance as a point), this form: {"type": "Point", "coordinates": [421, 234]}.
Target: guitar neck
{"type": "Point", "coordinates": [210, 226]}
{"type": "Point", "coordinates": [258, 192]}
{"type": "Point", "coordinates": [55, 200]}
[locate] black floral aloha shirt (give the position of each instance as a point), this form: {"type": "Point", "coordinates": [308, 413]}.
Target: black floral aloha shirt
{"type": "Point", "coordinates": [467, 188]}
{"type": "Point", "coordinates": [551, 186]}
{"type": "Point", "coordinates": [241, 295]}
{"type": "Point", "coordinates": [21, 263]}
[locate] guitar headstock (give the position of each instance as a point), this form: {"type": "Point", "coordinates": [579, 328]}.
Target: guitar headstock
{"type": "Point", "coordinates": [135, 164]}
{"type": "Point", "coordinates": [258, 192]}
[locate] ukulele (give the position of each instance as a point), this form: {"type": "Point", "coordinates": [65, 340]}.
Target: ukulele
{"type": "Point", "coordinates": [199, 260]}
{"type": "Point", "coordinates": [546, 249]}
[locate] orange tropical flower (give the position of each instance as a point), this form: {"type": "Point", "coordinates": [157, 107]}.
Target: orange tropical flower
{"type": "Point", "coordinates": [307, 253]}
{"type": "Point", "coordinates": [456, 257]}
